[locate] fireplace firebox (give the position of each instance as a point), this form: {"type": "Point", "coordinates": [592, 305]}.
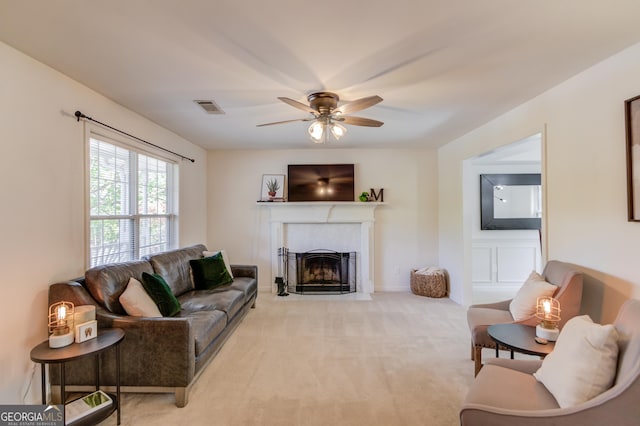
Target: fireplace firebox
{"type": "Point", "coordinates": [321, 271]}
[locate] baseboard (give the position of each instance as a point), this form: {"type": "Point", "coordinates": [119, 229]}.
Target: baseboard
{"type": "Point", "coordinates": [394, 288]}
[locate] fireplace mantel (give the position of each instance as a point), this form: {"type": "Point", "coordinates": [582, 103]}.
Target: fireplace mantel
{"type": "Point", "coordinates": [318, 212]}
{"type": "Point", "coordinates": [322, 211]}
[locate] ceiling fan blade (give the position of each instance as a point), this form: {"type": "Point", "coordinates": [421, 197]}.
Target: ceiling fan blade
{"type": "Point", "coordinates": [358, 104]}
{"type": "Point", "coordinates": [297, 104]}
{"type": "Point", "coordinates": [359, 121]}
{"type": "Point", "coordinates": [283, 122]}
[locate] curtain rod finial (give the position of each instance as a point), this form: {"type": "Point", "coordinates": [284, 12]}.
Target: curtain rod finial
{"type": "Point", "coordinates": [80, 115]}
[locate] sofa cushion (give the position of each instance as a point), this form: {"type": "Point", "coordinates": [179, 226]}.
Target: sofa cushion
{"type": "Point", "coordinates": [583, 362]}
{"type": "Point", "coordinates": [248, 286]}
{"type": "Point", "coordinates": [222, 299]}
{"type": "Point", "coordinates": [508, 389]}
{"type": "Point", "coordinates": [209, 272]}
{"type": "Point", "coordinates": [523, 304]}
{"type": "Point", "coordinates": [107, 282]}
{"type": "Point", "coordinates": [161, 294]}
{"type": "Point", "coordinates": [137, 302]}
{"type": "Point", "coordinates": [206, 326]}
{"type": "Point", "coordinates": [174, 267]}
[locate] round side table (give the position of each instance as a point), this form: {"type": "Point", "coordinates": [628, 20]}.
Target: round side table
{"type": "Point", "coordinates": [519, 338]}
{"type": "Point", "coordinates": [107, 338]}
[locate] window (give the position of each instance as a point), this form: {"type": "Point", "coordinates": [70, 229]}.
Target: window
{"type": "Point", "coordinates": [131, 203]}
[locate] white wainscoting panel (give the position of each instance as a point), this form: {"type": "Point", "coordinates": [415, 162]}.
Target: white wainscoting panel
{"type": "Point", "coordinates": [514, 264]}
{"type": "Point", "coordinates": [500, 267]}
{"type": "Point", "coordinates": [482, 265]}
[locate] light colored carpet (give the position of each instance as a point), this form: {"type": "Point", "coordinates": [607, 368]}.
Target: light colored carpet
{"type": "Point", "coordinates": [398, 359]}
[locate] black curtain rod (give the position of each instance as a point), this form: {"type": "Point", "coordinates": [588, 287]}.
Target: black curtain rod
{"type": "Point", "coordinates": [80, 115]}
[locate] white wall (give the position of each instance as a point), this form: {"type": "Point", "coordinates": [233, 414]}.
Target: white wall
{"type": "Point", "coordinates": [405, 228]}
{"type": "Point", "coordinates": [42, 188]}
{"type": "Point", "coordinates": [585, 177]}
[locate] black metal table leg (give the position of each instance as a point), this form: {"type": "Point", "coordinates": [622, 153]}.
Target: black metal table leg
{"type": "Point", "coordinates": [63, 392]}
{"type": "Point", "coordinates": [118, 381]}
{"type": "Point", "coordinates": [44, 383]}
{"type": "Point", "coordinates": [97, 370]}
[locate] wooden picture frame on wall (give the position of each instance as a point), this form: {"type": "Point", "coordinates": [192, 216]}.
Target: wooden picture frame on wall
{"type": "Point", "coordinates": [632, 122]}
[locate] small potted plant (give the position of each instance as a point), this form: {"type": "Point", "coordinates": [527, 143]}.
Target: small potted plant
{"type": "Point", "coordinates": [272, 187]}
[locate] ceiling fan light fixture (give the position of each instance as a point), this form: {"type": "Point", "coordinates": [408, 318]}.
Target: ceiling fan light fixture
{"type": "Point", "coordinates": [338, 130]}
{"type": "Point", "coordinates": [317, 131]}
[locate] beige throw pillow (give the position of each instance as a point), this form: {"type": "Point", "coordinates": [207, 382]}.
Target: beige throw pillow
{"type": "Point", "coordinates": [136, 302]}
{"type": "Point", "coordinates": [583, 362]}
{"type": "Point", "coordinates": [224, 257]}
{"type": "Point", "coordinates": [523, 304]}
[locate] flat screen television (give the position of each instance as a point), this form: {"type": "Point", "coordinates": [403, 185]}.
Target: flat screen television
{"type": "Point", "coordinates": [320, 182]}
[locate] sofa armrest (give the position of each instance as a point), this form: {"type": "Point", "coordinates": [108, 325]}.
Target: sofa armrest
{"type": "Point", "coordinates": [70, 291]}
{"type": "Point", "coordinates": [155, 351]}
{"type": "Point", "coordinates": [249, 271]}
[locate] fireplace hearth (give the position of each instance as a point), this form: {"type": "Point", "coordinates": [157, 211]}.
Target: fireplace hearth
{"type": "Point", "coordinates": [321, 271]}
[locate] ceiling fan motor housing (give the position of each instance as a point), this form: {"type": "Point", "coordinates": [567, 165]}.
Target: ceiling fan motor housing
{"type": "Point", "coordinates": [323, 102]}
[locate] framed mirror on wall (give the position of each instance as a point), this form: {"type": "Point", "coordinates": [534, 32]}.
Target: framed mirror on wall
{"type": "Point", "coordinates": [632, 121]}
{"type": "Point", "coordinates": [510, 201]}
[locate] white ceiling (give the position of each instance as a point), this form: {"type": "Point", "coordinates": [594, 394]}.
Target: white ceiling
{"type": "Point", "coordinates": [443, 67]}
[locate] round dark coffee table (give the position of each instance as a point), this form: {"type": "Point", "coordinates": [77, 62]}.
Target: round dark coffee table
{"type": "Point", "coordinates": [518, 338]}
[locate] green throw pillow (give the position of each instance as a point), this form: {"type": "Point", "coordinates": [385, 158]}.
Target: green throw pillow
{"type": "Point", "coordinates": [159, 291]}
{"type": "Point", "coordinates": [210, 272]}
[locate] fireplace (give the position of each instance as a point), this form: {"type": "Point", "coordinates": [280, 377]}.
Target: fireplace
{"type": "Point", "coordinates": [343, 226]}
{"type": "Point", "coordinates": [320, 271]}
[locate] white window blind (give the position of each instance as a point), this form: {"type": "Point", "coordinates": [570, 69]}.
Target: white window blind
{"type": "Point", "coordinates": [131, 203]}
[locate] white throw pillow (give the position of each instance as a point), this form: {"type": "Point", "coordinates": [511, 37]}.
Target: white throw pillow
{"type": "Point", "coordinates": [523, 304]}
{"type": "Point", "coordinates": [583, 363]}
{"type": "Point", "coordinates": [136, 301]}
{"type": "Point", "coordinates": [225, 258]}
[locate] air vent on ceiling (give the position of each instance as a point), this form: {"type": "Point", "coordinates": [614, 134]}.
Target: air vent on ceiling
{"type": "Point", "coordinates": [210, 107]}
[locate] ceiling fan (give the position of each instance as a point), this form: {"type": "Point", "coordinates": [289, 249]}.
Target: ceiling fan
{"type": "Point", "coordinates": [327, 116]}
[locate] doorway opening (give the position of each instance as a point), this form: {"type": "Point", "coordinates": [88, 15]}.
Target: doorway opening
{"type": "Point", "coordinates": [502, 259]}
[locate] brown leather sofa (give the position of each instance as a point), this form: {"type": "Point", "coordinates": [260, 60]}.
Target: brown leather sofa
{"type": "Point", "coordinates": [158, 354]}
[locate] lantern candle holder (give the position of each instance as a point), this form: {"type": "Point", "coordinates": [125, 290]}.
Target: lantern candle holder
{"type": "Point", "coordinates": [548, 312]}
{"type": "Point", "coordinates": [61, 324]}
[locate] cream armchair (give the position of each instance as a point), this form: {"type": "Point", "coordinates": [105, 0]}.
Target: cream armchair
{"type": "Point", "coordinates": [505, 392]}
{"type": "Point", "coordinates": [480, 317]}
